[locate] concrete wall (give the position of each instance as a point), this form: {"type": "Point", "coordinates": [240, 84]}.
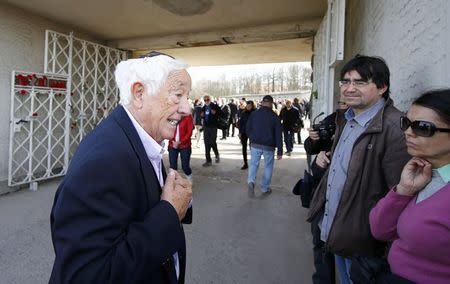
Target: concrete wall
{"type": "Point", "coordinates": [22, 43]}
{"type": "Point", "coordinates": [319, 66]}
{"type": "Point", "coordinates": [413, 36]}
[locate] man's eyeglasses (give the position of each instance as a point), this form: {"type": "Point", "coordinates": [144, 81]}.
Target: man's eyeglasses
{"type": "Point", "coordinates": [355, 83]}
{"type": "Point", "coordinates": [153, 54]}
{"type": "Point", "coordinates": [420, 127]}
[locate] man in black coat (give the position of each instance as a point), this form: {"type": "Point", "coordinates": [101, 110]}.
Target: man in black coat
{"type": "Point", "coordinates": [233, 117]}
{"type": "Point", "coordinates": [289, 116]}
{"type": "Point", "coordinates": [210, 115]}
{"type": "Point", "coordinates": [116, 216]}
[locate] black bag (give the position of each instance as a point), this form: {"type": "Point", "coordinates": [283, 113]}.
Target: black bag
{"type": "Point", "coordinates": [304, 187]}
{"type": "Point", "coordinates": [222, 123]}
{"type": "Point", "coordinates": [298, 125]}
{"type": "Point", "coordinates": [373, 270]}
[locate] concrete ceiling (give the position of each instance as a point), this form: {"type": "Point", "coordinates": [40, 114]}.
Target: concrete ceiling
{"type": "Point", "coordinates": [203, 32]}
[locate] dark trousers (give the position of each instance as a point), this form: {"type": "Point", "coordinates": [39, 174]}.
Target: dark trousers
{"type": "Point", "coordinates": [232, 125]}
{"type": "Point", "coordinates": [289, 140]}
{"type": "Point", "coordinates": [210, 137]}
{"type": "Point", "coordinates": [185, 155]}
{"type": "Point", "coordinates": [323, 261]}
{"type": "Point", "coordinates": [299, 138]}
{"type": "Point", "coordinates": [225, 133]}
{"type": "Point", "coordinates": [244, 141]}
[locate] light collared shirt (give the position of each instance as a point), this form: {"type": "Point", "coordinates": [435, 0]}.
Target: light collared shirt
{"type": "Point", "coordinates": [154, 153]}
{"type": "Point", "coordinates": [355, 126]}
{"type": "Point", "coordinates": [444, 171]}
{"type": "Point", "coordinates": [439, 178]}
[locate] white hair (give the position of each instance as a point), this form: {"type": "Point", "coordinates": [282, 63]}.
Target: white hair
{"type": "Point", "coordinates": [152, 72]}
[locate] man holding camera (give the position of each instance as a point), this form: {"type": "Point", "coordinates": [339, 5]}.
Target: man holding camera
{"type": "Point", "coordinates": [368, 154]}
{"type": "Point", "coordinates": [319, 143]}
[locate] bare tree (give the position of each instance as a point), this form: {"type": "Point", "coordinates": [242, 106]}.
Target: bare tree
{"type": "Point", "coordinates": [293, 78]}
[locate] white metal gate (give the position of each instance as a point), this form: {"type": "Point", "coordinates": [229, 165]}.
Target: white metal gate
{"type": "Point", "coordinates": [48, 119]}
{"type": "Point", "coordinates": [38, 127]}
{"type": "Point", "coordinates": [90, 68]}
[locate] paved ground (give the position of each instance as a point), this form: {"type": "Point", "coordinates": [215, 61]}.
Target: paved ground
{"type": "Point", "coordinates": [233, 239]}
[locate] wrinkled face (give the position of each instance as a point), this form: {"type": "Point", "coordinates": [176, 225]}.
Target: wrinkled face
{"type": "Point", "coordinates": [435, 149]}
{"type": "Point", "coordinates": [161, 112]}
{"type": "Point", "coordinates": [362, 97]}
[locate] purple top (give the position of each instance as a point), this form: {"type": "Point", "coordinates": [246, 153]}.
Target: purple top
{"type": "Point", "coordinates": [420, 233]}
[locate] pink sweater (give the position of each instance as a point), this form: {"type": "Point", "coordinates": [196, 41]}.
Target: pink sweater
{"type": "Point", "coordinates": [420, 233]}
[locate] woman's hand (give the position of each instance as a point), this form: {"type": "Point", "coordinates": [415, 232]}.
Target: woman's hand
{"type": "Point", "coordinates": [415, 176]}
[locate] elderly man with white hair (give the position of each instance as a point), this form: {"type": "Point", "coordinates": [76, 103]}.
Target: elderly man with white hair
{"type": "Point", "coordinates": [117, 216]}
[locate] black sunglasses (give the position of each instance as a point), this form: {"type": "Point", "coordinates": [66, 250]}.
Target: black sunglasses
{"type": "Point", "coordinates": [153, 54]}
{"type": "Point", "coordinates": [420, 127]}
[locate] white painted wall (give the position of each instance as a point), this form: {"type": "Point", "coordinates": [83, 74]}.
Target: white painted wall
{"type": "Point", "coordinates": [319, 67]}
{"type": "Point", "coordinates": [22, 43]}
{"type": "Point", "coordinates": [413, 36]}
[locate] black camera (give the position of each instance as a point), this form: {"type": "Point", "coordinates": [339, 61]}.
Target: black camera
{"type": "Point", "coordinates": [325, 130]}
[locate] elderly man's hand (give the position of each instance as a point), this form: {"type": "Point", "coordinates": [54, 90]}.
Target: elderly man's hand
{"type": "Point", "coordinates": [178, 192]}
{"type": "Point", "coordinates": [314, 135]}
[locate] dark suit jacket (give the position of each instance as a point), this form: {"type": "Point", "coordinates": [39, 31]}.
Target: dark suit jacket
{"type": "Point", "coordinates": [108, 223]}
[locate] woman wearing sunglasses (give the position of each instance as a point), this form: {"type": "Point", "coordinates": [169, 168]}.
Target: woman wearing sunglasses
{"type": "Point", "coordinates": [415, 214]}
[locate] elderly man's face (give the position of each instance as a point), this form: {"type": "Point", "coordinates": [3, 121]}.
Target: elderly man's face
{"type": "Point", "coordinates": [161, 113]}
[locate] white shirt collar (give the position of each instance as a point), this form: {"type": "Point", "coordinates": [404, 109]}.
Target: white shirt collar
{"type": "Point", "coordinates": [153, 150]}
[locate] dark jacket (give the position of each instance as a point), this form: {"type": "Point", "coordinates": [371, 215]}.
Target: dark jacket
{"type": "Point", "coordinates": [313, 147]}
{"type": "Point", "coordinates": [108, 222]}
{"type": "Point", "coordinates": [264, 129]}
{"type": "Point", "coordinates": [234, 112]}
{"type": "Point", "coordinates": [377, 160]}
{"type": "Point", "coordinates": [212, 118]}
{"type": "Point", "coordinates": [197, 114]}
{"type": "Point", "coordinates": [226, 112]}
{"type": "Point", "coordinates": [289, 117]}
{"type": "Point", "coordinates": [301, 109]}
{"type": "Point", "coordinates": [243, 121]}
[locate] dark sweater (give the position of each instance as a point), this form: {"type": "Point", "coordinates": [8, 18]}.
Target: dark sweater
{"type": "Point", "coordinates": [243, 121]}
{"type": "Point", "coordinates": [264, 130]}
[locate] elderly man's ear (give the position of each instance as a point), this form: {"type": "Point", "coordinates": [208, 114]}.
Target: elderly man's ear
{"type": "Point", "coordinates": [137, 91]}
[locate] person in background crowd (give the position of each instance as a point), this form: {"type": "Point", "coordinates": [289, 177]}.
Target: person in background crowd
{"type": "Point", "coordinates": [264, 131]}
{"type": "Point", "coordinates": [116, 216]}
{"type": "Point", "coordinates": [368, 154]}
{"type": "Point", "coordinates": [250, 107]}
{"type": "Point", "coordinates": [414, 215]}
{"type": "Point", "coordinates": [198, 121]}
{"type": "Point", "coordinates": [241, 109]}
{"type": "Point", "coordinates": [226, 113]}
{"type": "Point", "coordinates": [181, 144]}
{"type": "Point", "coordinates": [233, 116]}
{"type": "Point", "coordinates": [301, 109]}
{"type": "Point", "coordinates": [210, 113]}
{"type": "Point", "coordinates": [308, 108]}
{"type": "Point", "coordinates": [289, 116]}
